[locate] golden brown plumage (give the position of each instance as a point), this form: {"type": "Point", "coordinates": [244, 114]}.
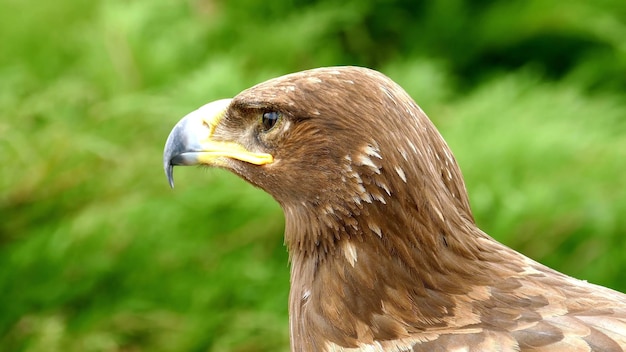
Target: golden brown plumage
{"type": "Point", "coordinates": [385, 254]}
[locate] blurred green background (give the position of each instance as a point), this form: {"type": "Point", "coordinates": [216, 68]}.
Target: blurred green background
{"type": "Point", "coordinates": [98, 254]}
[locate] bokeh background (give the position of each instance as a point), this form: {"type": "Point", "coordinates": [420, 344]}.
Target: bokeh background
{"type": "Point", "coordinates": [98, 254]}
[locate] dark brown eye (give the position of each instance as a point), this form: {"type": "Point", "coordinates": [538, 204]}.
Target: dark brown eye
{"type": "Point", "coordinates": [269, 119]}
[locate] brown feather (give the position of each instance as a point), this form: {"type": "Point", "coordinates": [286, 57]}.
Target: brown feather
{"type": "Point", "coordinates": [384, 250]}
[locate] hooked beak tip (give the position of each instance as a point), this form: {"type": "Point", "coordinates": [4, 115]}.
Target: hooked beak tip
{"type": "Point", "coordinates": [169, 172]}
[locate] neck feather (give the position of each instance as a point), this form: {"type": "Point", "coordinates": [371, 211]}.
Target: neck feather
{"type": "Point", "coordinates": [350, 274]}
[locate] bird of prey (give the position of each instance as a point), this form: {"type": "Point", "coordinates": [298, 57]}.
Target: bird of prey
{"type": "Point", "coordinates": [385, 254]}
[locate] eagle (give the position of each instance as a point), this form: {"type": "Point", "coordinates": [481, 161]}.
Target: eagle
{"type": "Point", "coordinates": [385, 253]}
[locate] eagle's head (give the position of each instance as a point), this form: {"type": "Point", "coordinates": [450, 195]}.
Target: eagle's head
{"type": "Point", "coordinates": [334, 142]}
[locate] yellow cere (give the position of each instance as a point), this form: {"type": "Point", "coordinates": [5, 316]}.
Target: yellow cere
{"type": "Point", "coordinates": [211, 114]}
{"type": "Point", "coordinates": [213, 150]}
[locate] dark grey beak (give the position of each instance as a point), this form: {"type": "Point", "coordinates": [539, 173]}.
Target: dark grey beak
{"type": "Point", "coordinates": [188, 138]}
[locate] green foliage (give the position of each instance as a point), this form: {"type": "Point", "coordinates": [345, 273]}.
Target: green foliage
{"type": "Point", "coordinates": [98, 254]}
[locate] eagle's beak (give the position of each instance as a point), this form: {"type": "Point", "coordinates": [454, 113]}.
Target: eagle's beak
{"type": "Point", "coordinates": [191, 143]}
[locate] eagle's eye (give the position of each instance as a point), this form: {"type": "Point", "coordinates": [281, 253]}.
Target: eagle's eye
{"type": "Point", "coordinates": [269, 119]}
